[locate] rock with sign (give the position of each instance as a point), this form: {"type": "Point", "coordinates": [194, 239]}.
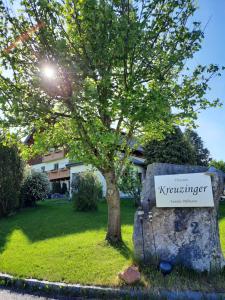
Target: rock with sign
{"type": "Point", "coordinates": [178, 220]}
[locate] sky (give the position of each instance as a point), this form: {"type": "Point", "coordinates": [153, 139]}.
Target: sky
{"type": "Point", "coordinates": [211, 122]}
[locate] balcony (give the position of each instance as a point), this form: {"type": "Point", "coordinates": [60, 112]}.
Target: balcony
{"type": "Point", "coordinates": [59, 154]}
{"type": "Point", "coordinates": [59, 174]}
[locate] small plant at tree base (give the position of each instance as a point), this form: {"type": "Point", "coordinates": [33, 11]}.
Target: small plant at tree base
{"type": "Point", "coordinates": [218, 164]}
{"type": "Point", "coordinates": [35, 187]}
{"type": "Point", "coordinates": [87, 191]}
{"type": "Point", "coordinates": [11, 175]}
{"type": "Point", "coordinates": [130, 183]}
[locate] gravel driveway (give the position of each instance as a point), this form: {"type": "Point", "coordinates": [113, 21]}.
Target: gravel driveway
{"type": "Point", "coordinates": [6, 294]}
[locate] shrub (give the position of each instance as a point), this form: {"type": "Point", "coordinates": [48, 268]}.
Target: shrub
{"type": "Point", "coordinates": [218, 164]}
{"type": "Point", "coordinates": [64, 188]}
{"type": "Point", "coordinates": [86, 192]}
{"type": "Point", "coordinates": [130, 183]}
{"type": "Point", "coordinates": [11, 175]}
{"type": "Point", "coordinates": [35, 187]}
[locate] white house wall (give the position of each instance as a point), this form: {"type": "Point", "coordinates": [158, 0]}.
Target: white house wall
{"type": "Point", "coordinates": [85, 168]}
{"type": "Point", "coordinates": [49, 166]}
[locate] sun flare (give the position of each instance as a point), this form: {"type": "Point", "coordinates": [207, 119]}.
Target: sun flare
{"type": "Point", "coordinates": [48, 72]}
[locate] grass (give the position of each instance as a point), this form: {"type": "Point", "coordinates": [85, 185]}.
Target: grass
{"type": "Point", "coordinates": [222, 226]}
{"type": "Point", "coordinates": [52, 242]}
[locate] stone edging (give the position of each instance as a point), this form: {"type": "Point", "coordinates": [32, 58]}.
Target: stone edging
{"type": "Point", "coordinates": [76, 290]}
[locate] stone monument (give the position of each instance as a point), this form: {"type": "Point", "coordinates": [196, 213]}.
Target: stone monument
{"type": "Point", "coordinates": [187, 236]}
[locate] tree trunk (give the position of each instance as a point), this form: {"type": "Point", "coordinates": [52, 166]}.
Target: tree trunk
{"type": "Point", "coordinates": [113, 201]}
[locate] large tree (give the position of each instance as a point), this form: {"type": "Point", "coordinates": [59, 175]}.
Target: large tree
{"type": "Point", "coordinates": [174, 148]}
{"type": "Point", "coordinates": [109, 66]}
{"type": "Point", "coordinates": [178, 148]}
{"type": "Point", "coordinates": [202, 154]}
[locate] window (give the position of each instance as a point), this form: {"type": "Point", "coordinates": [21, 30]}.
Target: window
{"type": "Point", "coordinates": [43, 169]}
{"type": "Point", "coordinates": [140, 177]}
{"type": "Point", "coordinates": [74, 177]}
{"type": "Point", "coordinates": [56, 166]}
{"type": "Point", "coordinates": [74, 181]}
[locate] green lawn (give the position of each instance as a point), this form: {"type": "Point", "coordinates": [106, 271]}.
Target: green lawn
{"type": "Point", "coordinates": [55, 243]}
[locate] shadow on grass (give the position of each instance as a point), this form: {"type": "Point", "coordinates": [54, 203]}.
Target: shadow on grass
{"type": "Point", "coordinates": [122, 248]}
{"type": "Point", "coordinates": [222, 210]}
{"type": "Point", "coordinates": [49, 220]}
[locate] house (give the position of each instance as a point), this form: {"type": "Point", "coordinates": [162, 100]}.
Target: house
{"type": "Point", "coordinates": [59, 168]}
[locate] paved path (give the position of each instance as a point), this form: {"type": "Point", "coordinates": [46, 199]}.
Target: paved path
{"type": "Point", "coordinates": [6, 294]}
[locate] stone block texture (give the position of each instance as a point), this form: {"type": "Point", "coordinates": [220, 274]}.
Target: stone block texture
{"type": "Point", "coordinates": [181, 236]}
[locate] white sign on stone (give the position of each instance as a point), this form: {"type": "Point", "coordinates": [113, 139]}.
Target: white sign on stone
{"type": "Point", "coordinates": [184, 190]}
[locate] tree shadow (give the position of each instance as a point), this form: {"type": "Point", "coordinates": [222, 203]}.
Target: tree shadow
{"type": "Point", "coordinates": [221, 210]}
{"type": "Point", "coordinates": [49, 220]}
{"type": "Point", "coordinates": [122, 248]}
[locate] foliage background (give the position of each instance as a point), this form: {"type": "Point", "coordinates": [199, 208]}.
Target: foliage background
{"type": "Point", "coordinates": [11, 176]}
{"type": "Point", "coordinates": [178, 148]}
{"type": "Point", "coordinates": [35, 188]}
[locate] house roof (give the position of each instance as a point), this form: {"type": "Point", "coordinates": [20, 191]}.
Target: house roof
{"type": "Point", "coordinates": [135, 160]}
{"type": "Point", "coordinates": [29, 139]}
{"type": "Point", "coordinates": [74, 164]}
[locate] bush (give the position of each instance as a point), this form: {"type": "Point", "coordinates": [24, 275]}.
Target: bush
{"type": "Point", "coordinates": [35, 187]}
{"type": "Point", "coordinates": [218, 164]}
{"type": "Point", "coordinates": [87, 191]}
{"type": "Point", "coordinates": [130, 183]}
{"type": "Point", "coordinates": [11, 175]}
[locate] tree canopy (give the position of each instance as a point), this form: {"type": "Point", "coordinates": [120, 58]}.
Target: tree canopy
{"type": "Point", "coordinates": [81, 72]}
{"type": "Point", "coordinates": [202, 154]}
{"type": "Point", "coordinates": [178, 148]}
{"type": "Point", "coordinates": [174, 149]}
